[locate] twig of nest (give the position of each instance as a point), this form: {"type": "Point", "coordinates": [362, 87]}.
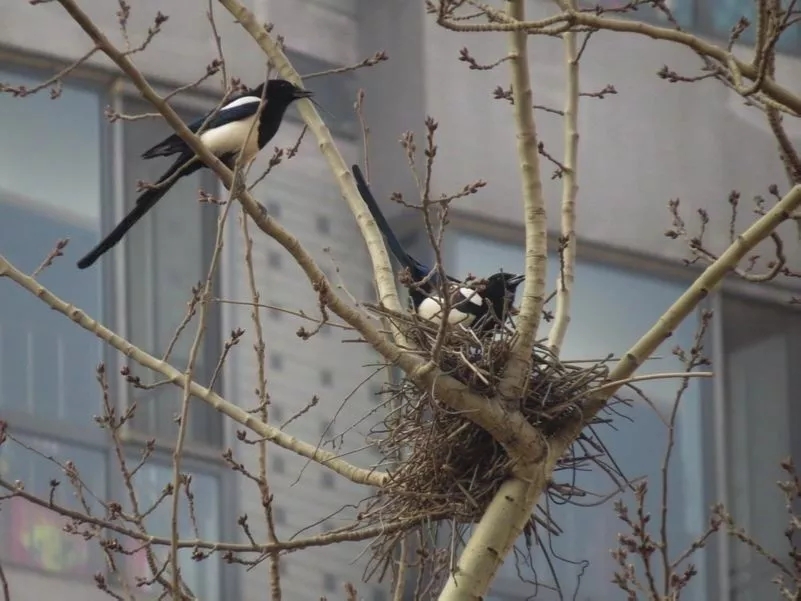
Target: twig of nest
{"type": "Point", "coordinates": [447, 467]}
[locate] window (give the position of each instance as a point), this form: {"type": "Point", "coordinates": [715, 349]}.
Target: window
{"type": "Point", "coordinates": [48, 391]}
{"type": "Point", "coordinates": [279, 515]}
{"type": "Point", "coordinates": [604, 320]}
{"type": "Point", "coordinates": [166, 254]}
{"type": "Point", "coordinates": [708, 17]}
{"type": "Point", "coordinates": [203, 577]}
{"type": "Point", "coordinates": [279, 466]}
{"type": "Point", "coordinates": [762, 346]}
{"type": "Point", "coordinates": [276, 412]}
{"type": "Point", "coordinates": [329, 582]}
{"type": "Point", "coordinates": [33, 536]}
{"type": "Point", "coordinates": [717, 17]}
{"type": "Point", "coordinates": [682, 10]}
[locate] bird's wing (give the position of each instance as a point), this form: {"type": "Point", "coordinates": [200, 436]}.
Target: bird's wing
{"type": "Point", "coordinates": [236, 110]}
{"type": "Point", "coordinates": [431, 309]}
{"type": "Point", "coordinates": [468, 300]}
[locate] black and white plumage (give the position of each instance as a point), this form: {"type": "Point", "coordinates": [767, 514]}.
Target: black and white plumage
{"type": "Point", "coordinates": [228, 131]}
{"type": "Point", "coordinates": [483, 307]}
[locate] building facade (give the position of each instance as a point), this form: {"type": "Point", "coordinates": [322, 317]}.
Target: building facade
{"type": "Point", "coordinates": [65, 172]}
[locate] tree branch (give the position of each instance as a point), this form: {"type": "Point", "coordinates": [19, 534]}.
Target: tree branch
{"type": "Point", "coordinates": [336, 536]}
{"type": "Point", "coordinates": [699, 290]}
{"type": "Point", "coordinates": [567, 255]}
{"type": "Point", "coordinates": [533, 209]}
{"type": "Point", "coordinates": [567, 20]}
{"type": "Point", "coordinates": [494, 536]}
{"type": "Point", "coordinates": [385, 278]}
{"type": "Point", "coordinates": [326, 458]}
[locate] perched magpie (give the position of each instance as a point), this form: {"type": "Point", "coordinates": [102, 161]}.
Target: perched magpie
{"type": "Point", "coordinates": [224, 135]}
{"type": "Point", "coordinates": [482, 309]}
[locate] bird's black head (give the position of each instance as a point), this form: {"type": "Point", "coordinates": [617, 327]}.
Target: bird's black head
{"type": "Point", "coordinates": [502, 284]}
{"type": "Point", "coordinates": [278, 95]}
{"type": "Point", "coordinates": [499, 291]}
{"type": "Point", "coordinates": [281, 92]}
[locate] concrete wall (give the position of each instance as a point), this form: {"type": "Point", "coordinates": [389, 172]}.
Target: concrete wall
{"type": "Point", "coordinates": [652, 142]}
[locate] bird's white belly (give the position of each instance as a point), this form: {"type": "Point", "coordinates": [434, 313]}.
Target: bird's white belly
{"type": "Point", "coordinates": [431, 310]}
{"type": "Point", "coordinates": [228, 138]}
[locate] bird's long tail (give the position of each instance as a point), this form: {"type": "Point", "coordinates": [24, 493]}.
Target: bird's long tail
{"type": "Point", "coordinates": [143, 204]}
{"type": "Point", "coordinates": [393, 242]}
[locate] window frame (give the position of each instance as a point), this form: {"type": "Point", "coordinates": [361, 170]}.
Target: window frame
{"type": "Point", "coordinates": [25, 424]}
{"type": "Point", "coordinates": [111, 91]}
{"type": "Point", "coordinates": [227, 580]}
{"type": "Point", "coordinates": [205, 457]}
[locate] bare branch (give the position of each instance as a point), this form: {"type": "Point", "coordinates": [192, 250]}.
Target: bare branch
{"type": "Point", "coordinates": [358, 475]}
{"type": "Point", "coordinates": [533, 209]}
{"type": "Point", "coordinates": [564, 283]}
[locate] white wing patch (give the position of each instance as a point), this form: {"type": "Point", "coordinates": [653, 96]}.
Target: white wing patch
{"type": "Point", "coordinates": [240, 102]}
{"type": "Point", "coordinates": [229, 138]}
{"type": "Point", "coordinates": [472, 296]}
{"type": "Point", "coordinates": [431, 310]}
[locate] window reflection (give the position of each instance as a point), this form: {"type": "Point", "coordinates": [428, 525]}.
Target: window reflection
{"type": "Point", "coordinates": [761, 345]}
{"type": "Point", "coordinates": [50, 150]}
{"type": "Point", "coordinates": [48, 191]}
{"type": "Point", "coordinates": [201, 576]}
{"type": "Point", "coordinates": [34, 535]}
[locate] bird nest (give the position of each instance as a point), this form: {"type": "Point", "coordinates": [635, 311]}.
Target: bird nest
{"type": "Point", "coordinates": [445, 466]}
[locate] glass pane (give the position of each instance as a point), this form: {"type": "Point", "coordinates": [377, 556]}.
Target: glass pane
{"type": "Point", "coordinates": [32, 535]}
{"type": "Point", "coordinates": [38, 148]}
{"type": "Point", "coordinates": [203, 577]}
{"type": "Point", "coordinates": [606, 320]}
{"type": "Point", "coordinates": [724, 14]}
{"type": "Point", "coordinates": [682, 10]}
{"type": "Point", "coordinates": [47, 363]}
{"type": "Point", "coordinates": [167, 253]}
{"type": "Point", "coordinates": [761, 343]}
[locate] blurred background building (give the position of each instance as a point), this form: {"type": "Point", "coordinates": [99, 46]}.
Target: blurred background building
{"type": "Point", "coordinates": [65, 172]}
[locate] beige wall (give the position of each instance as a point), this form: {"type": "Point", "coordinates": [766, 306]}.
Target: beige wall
{"type": "Point", "coordinates": [651, 142]}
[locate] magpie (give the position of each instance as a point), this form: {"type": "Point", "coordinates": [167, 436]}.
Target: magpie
{"type": "Point", "coordinates": [481, 309]}
{"type": "Point", "coordinates": [224, 135]}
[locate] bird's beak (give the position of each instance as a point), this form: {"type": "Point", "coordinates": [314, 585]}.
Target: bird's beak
{"type": "Point", "coordinates": [515, 281]}
{"type": "Point", "coordinates": [303, 93]}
